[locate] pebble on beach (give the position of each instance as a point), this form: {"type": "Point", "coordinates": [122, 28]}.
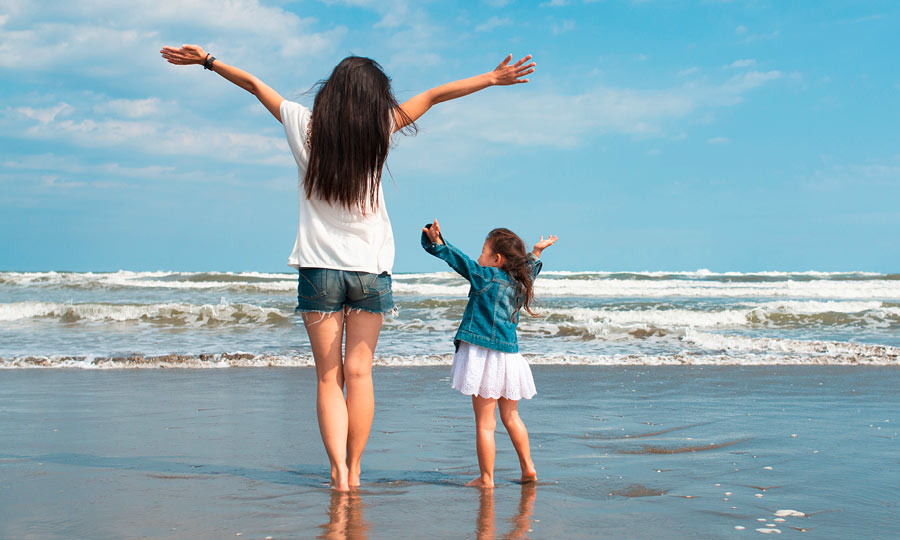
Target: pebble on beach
{"type": "Point", "coordinates": [769, 531]}
{"type": "Point", "coordinates": [739, 527]}
{"type": "Point", "coordinates": [758, 495]}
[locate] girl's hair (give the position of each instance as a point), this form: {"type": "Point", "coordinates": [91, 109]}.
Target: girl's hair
{"type": "Point", "coordinates": [351, 127]}
{"type": "Point", "coordinates": [515, 263]}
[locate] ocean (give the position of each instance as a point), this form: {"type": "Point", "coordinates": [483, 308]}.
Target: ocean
{"type": "Point", "coordinates": [220, 319]}
{"type": "Point", "coordinates": [670, 405]}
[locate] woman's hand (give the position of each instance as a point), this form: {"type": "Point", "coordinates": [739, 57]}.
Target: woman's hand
{"type": "Point", "coordinates": [194, 54]}
{"type": "Point", "coordinates": [433, 232]}
{"type": "Point", "coordinates": [544, 244]}
{"type": "Point", "coordinates": [506, 74]}
{"type": "Point", "coordinates": [186, 55]}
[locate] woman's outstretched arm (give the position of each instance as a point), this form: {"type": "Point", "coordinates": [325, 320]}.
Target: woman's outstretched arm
{"type": "Point", "coordinates": [504, 74]}
{"type": "Point", "coordinates": [194, 54]}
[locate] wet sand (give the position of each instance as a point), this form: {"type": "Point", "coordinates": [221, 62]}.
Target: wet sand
{"type": "Point", "coordinates": [622, 452]}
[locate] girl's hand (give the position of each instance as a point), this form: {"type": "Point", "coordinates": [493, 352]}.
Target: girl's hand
{"type": "Point", "coordinates": [506, 74]}
{"type": "Point", "coordinates": [544, 244]}
{"type": "Point", "coordinates": [433, 232]}
{"type": "Point", "coordinates": [186, 55]}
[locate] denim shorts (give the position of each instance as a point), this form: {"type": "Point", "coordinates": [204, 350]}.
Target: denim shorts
{"type": "Point", "coordinates": [325, 290]}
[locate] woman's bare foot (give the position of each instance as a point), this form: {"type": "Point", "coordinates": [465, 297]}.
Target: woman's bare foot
{"type": "Point", "coordinates": [340, 478]}
{"type": "Point", "coordinates": [481, 482]}
{"type": "Point", "coordinates": [353, 476]}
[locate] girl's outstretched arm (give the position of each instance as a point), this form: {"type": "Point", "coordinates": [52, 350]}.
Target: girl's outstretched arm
{"type": "Point", "coordinates": [503, 75]}
{"type": "Point", "coordinates": [543, 244]}
{"type": "Point", "coordinates": [194, 54]}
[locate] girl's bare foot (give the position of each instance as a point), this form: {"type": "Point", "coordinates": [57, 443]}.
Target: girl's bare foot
{"type": "Point", "coordinates": [529, 474]}
{"type": "Point", "coordinates": [528, 478]}
{"type": "Point", "coordinates": [481, 482]}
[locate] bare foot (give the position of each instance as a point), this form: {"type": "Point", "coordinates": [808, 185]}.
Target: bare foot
{"type": "Point", "coordinates": [529, 474]}
{"type": "Point", "coordinates": [353, 475]}
{"type": "Point", "coordinates": [339, 479]}
{"type": "Point", "coordinates": [528, 478]}
{"type": "Point", "coordinates": [481, 482]}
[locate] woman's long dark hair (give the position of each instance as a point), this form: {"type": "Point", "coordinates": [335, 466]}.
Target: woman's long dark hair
{"type": "Point", "coordinates": [350, 134]}
{"type": "Point", "coordinates": [515, 263]}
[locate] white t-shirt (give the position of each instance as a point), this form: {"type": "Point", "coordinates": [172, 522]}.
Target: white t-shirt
{"type": "Point", "coordinates": [329, 235]}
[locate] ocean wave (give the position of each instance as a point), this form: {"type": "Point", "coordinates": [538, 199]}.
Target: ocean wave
{"type": "Point", "coordinates": [619, 288]}
{"type": "Point", "coordinates": [163, 314]}
{"type": "Point", "coordinates": [704, 274]}
{"type": "Point", "coordinates": [811, 285]}
{"type": "Point", "coordinates": [613, 323]}
{"type": "Point", "coordinates": [815, 350]}
{"type": "Point", "coordinates": [239, 281]}
{"type": "Point", "coordinates": [787, 352]}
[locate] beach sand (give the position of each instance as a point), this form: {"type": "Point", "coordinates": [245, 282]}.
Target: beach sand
{"type": "Point", "coordinates": [622, 452]}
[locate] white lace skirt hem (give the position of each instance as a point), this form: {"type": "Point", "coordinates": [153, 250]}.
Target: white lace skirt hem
{"type": "Point", "coordinates": [478, 371]}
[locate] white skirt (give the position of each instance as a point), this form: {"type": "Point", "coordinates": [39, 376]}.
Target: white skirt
{"type": "Point", "coordinates": [478, 371]}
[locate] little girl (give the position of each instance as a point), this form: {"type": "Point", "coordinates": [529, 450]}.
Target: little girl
{"type": "Point", "coordinates": [487, 364]}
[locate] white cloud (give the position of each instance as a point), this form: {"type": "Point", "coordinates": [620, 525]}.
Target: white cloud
{"type": "Point", "coordinates": [744, 33]}
{"type": "Point", "coordinates": [554, 3]}
{"type": "Point", "coordinates": [55, 182]}
{"type": "Point", "coordinates": [106, 38]}
{"type": "Point", "coordinates": [746, 62]}
{"type": "Point", "coordinates": [718, 140]}
{"type": "Point", "coordinates": [129, 108]}
{"type": "Point", "coordinates": [688, 71]}
{"type": "Point", "coordinates": [497, 3]}
{"type": "Point", "coordinates": [493, 22]}
{"type": "Point", "coordinates": [46, 115]}
{"type": "Point", "coordinates": [148, 136]}
{"type": "Point", "coordinates": [504, 118]}
{"type": "Point", "coordinates": [566, 25]}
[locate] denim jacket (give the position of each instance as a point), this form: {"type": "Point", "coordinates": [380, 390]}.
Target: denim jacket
{"type": "Point", "coordinates": [491, 317]}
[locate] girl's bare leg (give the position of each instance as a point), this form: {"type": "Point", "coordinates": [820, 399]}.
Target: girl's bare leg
{"type": "Point", "coordinates": [325, 336]}
{"type": "Point", "coordinates": [509, 414]}
{"type": "Point", "coordinates": [485, 423]}
{"type": "Point", "coordinates": [362, 336]}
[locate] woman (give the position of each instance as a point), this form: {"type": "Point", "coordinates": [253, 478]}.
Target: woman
{"type": "Point", "coordinates": [344, 249]}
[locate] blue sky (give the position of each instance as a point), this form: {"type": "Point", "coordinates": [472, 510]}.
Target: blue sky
{"type": "Point", "coordinates": [655, 135]}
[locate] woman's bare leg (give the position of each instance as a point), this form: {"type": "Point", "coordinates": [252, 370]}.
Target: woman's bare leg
{"type": "Point", "coordinates": [485, 424]}
{"type": "Point", "coordinates": [509, 414]}
{"type": "Point", "coordinates": [325, 337]}
{"type": "Point", "coordinates": [362, 336]}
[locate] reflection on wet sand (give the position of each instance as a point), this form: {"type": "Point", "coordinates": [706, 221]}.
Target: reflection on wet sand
{"type": "Point", "coordinates": [345, 518]}
{"type": "Point", "coordinates": [520, 524]}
